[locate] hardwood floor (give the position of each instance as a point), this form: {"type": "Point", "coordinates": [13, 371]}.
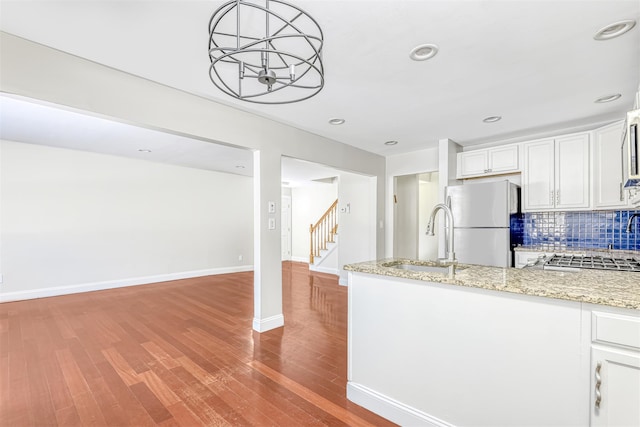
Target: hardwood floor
{"type": "Point", "coordinates": [179, 353]}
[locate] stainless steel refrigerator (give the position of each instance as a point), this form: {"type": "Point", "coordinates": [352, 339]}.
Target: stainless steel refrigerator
{"type": "Point", "coordinates": [481, 220]}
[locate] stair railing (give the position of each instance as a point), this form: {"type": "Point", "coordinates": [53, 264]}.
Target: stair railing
{"type": "Point", "coordinates": [323, 231]}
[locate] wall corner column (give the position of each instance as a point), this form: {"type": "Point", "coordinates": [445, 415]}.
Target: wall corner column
{"type": "Point", "coordinates": [447, 163]}
{"type": "Point", "coordinates": [267, 276]}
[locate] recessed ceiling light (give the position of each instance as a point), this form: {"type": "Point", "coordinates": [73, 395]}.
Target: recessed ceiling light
{"type": "Point", "coordinates": [239, 167]}
{"type": "Point", "coordinates": [492, 119]}
{"type": "Point", "coordinates": [391, 143]}
{"type": "Point", "coordinates": [614, 30]}
{"type": "Point", "coordinates": [608, 98]}
{"type": "Point", "coordinates": [423, 52]}
{"type": "Point", "coordinates": [336, 121]}
{"type": "Point", "coordinates": [144, 150]}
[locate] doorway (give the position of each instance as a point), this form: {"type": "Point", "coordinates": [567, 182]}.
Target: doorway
{"type": "Point", "coordinates": [285, 228]}
{"type": "Point", "coordinates": [414, 198]}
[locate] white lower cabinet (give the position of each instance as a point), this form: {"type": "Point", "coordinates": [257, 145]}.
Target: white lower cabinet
{"type": "Point", "coordinates": [615, 369]}
{"type": "Point", "coordinates": [615, 399]}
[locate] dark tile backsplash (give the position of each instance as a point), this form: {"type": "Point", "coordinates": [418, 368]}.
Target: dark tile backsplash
{"type": "Point", "coordinates": [576, 230]}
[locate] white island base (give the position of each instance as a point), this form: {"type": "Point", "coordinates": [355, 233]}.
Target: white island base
{"type": "Point", "coordinates": [433, 354]}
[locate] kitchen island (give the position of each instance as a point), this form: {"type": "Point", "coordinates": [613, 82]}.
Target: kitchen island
{"type": "Point", "coordinates": [494, 346]}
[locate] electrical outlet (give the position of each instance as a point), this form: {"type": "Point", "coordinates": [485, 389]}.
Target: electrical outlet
{"type": "Point", "coordinates": [272, 223]}
{"type": "Point", "coordinates": [239, 257]}
{"type": "Point", "coordinates": [272, 207]}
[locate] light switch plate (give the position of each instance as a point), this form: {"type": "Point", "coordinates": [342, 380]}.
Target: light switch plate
{"type": "Point", "coordinates": [272, 223]}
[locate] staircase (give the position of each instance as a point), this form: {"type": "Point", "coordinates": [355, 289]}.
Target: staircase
{"type": "Point", "coordinates": [326, 262]}
{"type": "Point", "coordinates": [324, 239]}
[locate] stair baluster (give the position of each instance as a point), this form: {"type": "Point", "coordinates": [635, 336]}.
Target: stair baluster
{"type": "Point", "coordinates": [323, 231]}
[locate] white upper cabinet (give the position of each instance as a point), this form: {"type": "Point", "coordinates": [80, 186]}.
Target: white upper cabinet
{"type": "Point", "coordinates": [490, 161]}
{"type": "Point", "coordinates": [503, 159]}
{"type": "Point", "coordinates": [556, 174]}
{"type": "Point", "coordinates": [567, 172]}
{"type": "Point", "coordinates": [607, 167]}
{"type": "Point", "coordinates": [572, 172]}
{"type": "Point", "coordinates": [538, 178]}
{"type": "Point", "coordinates": [472, 163]}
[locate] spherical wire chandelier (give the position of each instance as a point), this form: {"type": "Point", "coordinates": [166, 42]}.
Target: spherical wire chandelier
{"type": "Point", "coordinates": [265, 51]}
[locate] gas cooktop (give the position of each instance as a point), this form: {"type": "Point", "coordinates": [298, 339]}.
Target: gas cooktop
{"type": "Point", "coordinates": [576, 262]}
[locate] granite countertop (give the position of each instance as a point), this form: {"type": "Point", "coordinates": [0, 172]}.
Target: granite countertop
{"type": "Point", "coordinates": [612, 288]}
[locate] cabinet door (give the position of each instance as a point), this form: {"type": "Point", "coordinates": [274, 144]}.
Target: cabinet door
{"type": "Point", "coordinates": [503, 159]}
{"type": "Point", "coordinates": [617, 383]}
{"type": "Point", "coordinates": [607, 167]}
{"type": "Point", "coordinates": [472, 163]}
{"type": "Point", "coordinates": [572, 172]}
{"type": "Point", "coordinates": [538, 175]}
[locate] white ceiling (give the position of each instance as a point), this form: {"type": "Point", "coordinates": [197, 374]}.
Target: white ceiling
{"type": "Point", "coordinates": [42, 124]}
{"type": "Point", "coordinates": [36, 123]}
{"type": "Point", "coordinates": [533, 62]}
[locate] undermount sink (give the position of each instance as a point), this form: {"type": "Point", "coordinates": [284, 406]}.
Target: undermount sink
{"type": "Point", "coordinates": [424, 268]}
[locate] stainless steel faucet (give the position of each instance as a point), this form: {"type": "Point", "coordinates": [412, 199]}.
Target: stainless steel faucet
{"type": "Point", "coordinates": [451, 256]}
{"type": "Point", "coordinates": [630, 221]}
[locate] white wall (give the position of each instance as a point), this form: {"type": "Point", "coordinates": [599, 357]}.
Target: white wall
{"type": "Point", "coordinates": [358, 226]}
{"type": "Point", "coordinates": [308, 203]}
{"type": "Point", "coordinates": [74, 219]}
{"type": "Point", "coordinates": [404, 164]}
{"type": "Point", "coordinates": [76, 83]}
{"type": "Point", "coordinates": [1, 185]}
{"type": "Point", "coordinates": [405, 217]}
{"type": "Point", "coordinates": [428, 188]}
